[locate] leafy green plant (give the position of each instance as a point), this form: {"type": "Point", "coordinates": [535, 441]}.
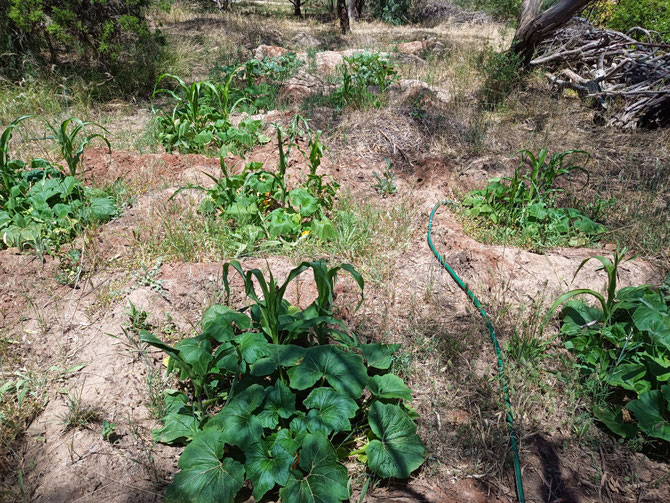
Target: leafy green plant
{"type": "Point", "coordinates": [67, 140]}
{"type": "Point", "coordinates": [523, 206]}
{"type": "Point", "coordinates": [259, 204]}
{"type": "Point", "coordinates": [275, 395]}
{"type": "Point", "coordinates": [624, 344]}
{"type": "Point", "coordinates": [358, 75]}
{"type": "Point", "coordinates": [503, 74]}
{"type": "Point", "coordinates": [42, 207]}
{"type": "Point", "coordinates": [108, 431]}
{"type": "Point", "coordinates": [200, 118]}
{"type": "Point", "coordinates": [386, 182]}
{"type": "Point", "coordinates": [258, 81]}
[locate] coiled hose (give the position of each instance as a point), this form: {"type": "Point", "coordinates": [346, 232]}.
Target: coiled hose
{"type": "Point", "coordinates": [509, 416]}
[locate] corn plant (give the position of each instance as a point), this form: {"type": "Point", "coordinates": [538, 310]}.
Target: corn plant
{"type": "Point", "coordinates": [70, 148]}
{"type": "Point", "coordinates": [9, 168]}
{"type": "Point", "coordinates": [267, 401]}
{"type": "Point", "coordinates": [258, 203]}
{"type": "Point", "coordinates": [42, 207]}
{"type": "Point", "coordinates": [200, 116]}
{"type": "Point", "coordinates": [523, 206]}
{"type": "Point", "coordinates": [624, 344]}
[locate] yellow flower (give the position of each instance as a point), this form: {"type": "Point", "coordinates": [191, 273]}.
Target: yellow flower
{"type": "Point", "coordinates": [304, 233]}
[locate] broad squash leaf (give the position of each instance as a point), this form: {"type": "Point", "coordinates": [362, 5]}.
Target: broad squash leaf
{"type": "Point", "coordinates": [219, 322]}
{"type": "Point", "coordinates": [379, 355]}
{"type": "Point", "coordinates": [279, 402]}
{"type": "Point", "coordinates": [613, 419]}
{"type": "Point", "coordinates": [330, 411]}
{"type": "Point", "coordinates": [398, 450]}
{"type": "Point", "coordinates": [647, 411]}
{"type": "Point", "coordinates": [323, 480]}
{"type": "Point", "coordinates": [306, 203]}
{"type": "Point", "coordinates": [206, 477]}
{"type": "Point", "coordinates": [389, 386]}
{"type": "Point", "coordinates": [286, 355]}
{"type": "Point", "coordinates": [267, 466]}
{"type": "Point", "coordinates": [344, 371]}
{"type": "Point", "coordinates": [238, 421]}
{"type": "Point", "coordinates": [252, 346]}
{"type": "Point", "coordinates": [178, 427]}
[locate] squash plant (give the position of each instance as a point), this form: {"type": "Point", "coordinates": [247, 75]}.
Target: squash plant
{"type": "Point", "coordinates": [281, 396]}
{"type": "Point", "coordinates": [259, 203]}
{"type": "Point", "coordinates": [624, 343]}
{"type": "Point", "coordinates": [41, 207]}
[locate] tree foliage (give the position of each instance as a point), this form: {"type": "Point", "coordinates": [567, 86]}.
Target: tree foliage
{"type": "Point", "coordinates": [109, 37]}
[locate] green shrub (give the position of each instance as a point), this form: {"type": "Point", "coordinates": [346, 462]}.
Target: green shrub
{"type": "Point", "coordinates": [648, 14]}
{"type": "Point", "coordinates": [624, 344]}
{"type": "Point", "coordinates": [103, 37]}
{"type": "Point", "coordinates": [503, 74]}
{"type": "Point", "coordinates": [358, 74]}
{"type": "Point", "coordinates": [502, 9]}
{"type": "Point", "coordinates": [395, 12]}
{"type": "Point", "coordinates": [522, 207]}
{"type": "Point", "coordinates": [281, 396]}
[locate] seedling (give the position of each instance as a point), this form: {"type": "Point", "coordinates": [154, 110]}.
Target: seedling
{"type": "Point", "coordinates": [385, 183]}
{"type": "Point", "coordinates": [67, 140]}
{"type": "Point", "coordinates": [108, 429]}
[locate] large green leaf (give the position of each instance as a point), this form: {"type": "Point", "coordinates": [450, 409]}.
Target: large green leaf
{"type": "Point", "coordinates": [323, 480]}
{"type": "Point", "coordinates": [286, 355]}
{"type": "Point", "coordinates": [267, 466]}
{"type": "Point", "coordinates": [177, 427]}
{"type": "Point", "coordinates": [238, 421]}
{"type": "Point", "coordinates": [629, 376]}
{"type": "Point", "coordinates": [344, 371]}
{"type": "Point", "coordinates": [647, 411]}
{"type": "Point", "coordinates": [613, 419]}
{"type": "Point", "coordinates": [330, 411]}
{"type": "Point", "coordinates": [379, 355]}
{"type": "Point", "coordinates": [398, 450]}
{"type": "Point", "coordinates": [219, 322]}
{"type": "Point", "coordinates": [279, 402]}
{"type": "Point", "coordinates": [306, 203]}
{"type": "Point", "coordinates": [205, 477]}
{"type": "Point", "coordinates": [389, 386]}
{"type": "Point", "coordinates": [253, 346]}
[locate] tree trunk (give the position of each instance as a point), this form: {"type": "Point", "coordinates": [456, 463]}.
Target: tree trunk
{"type": "Point", "coordinates": [296, 7]}
{"type": "Point", "coordinates": [355, 9]}
{"type": "Point", "coordinates": [535, 27]}
{"type": "Point", "coordinates": [343, 14]}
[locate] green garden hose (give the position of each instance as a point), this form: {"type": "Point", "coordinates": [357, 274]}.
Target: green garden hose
{"type": "Point", "coordinates": [509, 416]}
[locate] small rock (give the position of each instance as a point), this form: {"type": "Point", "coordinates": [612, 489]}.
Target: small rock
{"type": "Point", "coordinates": [269, 51]}
{"type": "Point", "coordinates": [305, 41]}
{"type": "Point", "coordinates": [416, 48]}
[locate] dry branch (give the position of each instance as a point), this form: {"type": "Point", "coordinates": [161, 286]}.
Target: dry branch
{"type": "Point", "coordinates": [604, 64]}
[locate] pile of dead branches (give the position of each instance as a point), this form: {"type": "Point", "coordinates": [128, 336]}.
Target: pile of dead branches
{"type": "Point", "coordinates": [630, 76]}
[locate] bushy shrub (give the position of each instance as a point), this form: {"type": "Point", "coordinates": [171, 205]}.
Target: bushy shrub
{"type": "Point", "coordinates": [391, 11]}
{"type": "Point", "coordinates": [502, 9]}
{"type": "Point", "coordinates": [622, 15]}
{"type": "Point", "coordinates": [502, 72]}
{"type": "Point", "coordinates": [108, 37]}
